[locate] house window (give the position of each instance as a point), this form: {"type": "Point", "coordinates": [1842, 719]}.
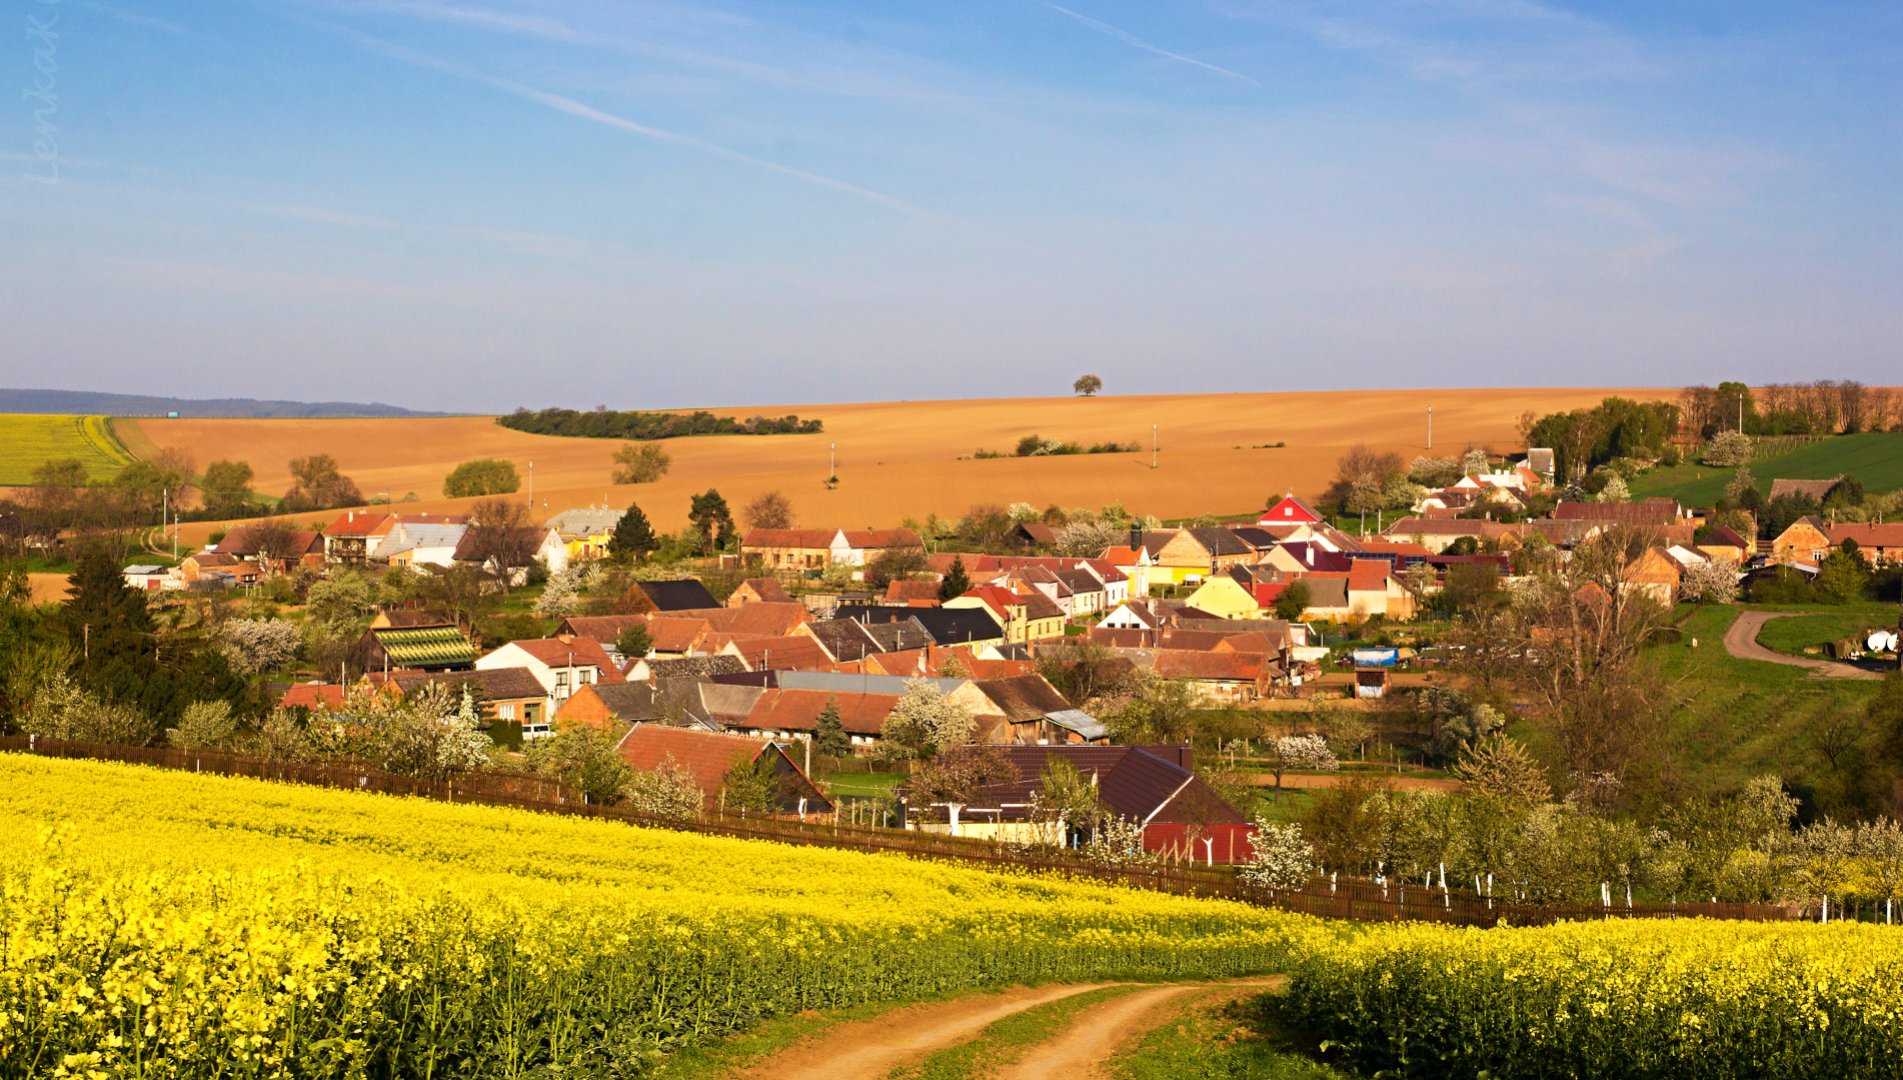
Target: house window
{"type": "Point", "coordinates": [505, 712]}
{"type": "Point", "coordinates": [561, 678]}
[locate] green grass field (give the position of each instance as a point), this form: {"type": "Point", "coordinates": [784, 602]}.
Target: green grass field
{"type": "Point", "coordinates": [1876, 459]}
{"type": "Point", "coordinates": [1815, 629]}
{"type": "Point", "coordinates": [1733, 719]}
{"type": "Point", "coordinates": [27, 442]}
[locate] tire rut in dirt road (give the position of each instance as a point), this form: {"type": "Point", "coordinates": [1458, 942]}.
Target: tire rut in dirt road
{"type": "Point", "coordinates": [1084, 1050]}
{"type": "Point", "coordinates": [871, 1049]}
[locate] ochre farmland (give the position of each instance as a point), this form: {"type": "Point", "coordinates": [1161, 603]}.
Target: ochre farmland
{"type": "Point", "coordinates": [901, 459]}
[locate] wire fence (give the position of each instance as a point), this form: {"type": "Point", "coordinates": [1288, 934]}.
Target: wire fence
{"type": "Point", "coordinates": [1333, 898]}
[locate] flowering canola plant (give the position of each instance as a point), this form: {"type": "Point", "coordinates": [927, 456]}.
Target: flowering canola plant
{"type": "Point", "coordinates": [1688, 999]}
{"type": "Point", "coordinates": [164, 925]}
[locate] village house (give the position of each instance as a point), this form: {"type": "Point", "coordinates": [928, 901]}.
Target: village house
{"type": "Point", "coordinates": [1880, 544]}
{"type": "Point", "coordinates": [413, 646]}
{"type": "Point", "coordinates": [1653, 574]}
{"type": "Point", "coordinates": [686, 594]}
{"type": "Point", "coordinates": [783, 713]}
{"type": "Point", "coordinates": [820, 549]}
{"type": "Point", "coordinates": [562, 665]}
{"type": "Point", "coordinates": [586, 531]}
{"type": "Point", "coordinates": [299, 547]}
{"type": "Point", "coordinates": [1806, 540]}
{"type": "Point", "coordinates": [759, 591]}
{"type": "Point", "coordinates": [709, 757]}
{"type": "Point", "coordinates": [1154, 786]}
{"type": "Point", "coordinates": [1135, 564]}
{"type": "Point", "coordinates": [1224, 597]}
{"type": "Point", "coordinates": [512, 702]}
{"type": "Point", "coordinates": [412, 545]}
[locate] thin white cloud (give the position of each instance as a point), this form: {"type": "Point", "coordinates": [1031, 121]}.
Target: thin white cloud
{"type": "Point", "coordinates": [1136, 42]}
{"type": "Point", "coordinates": [581, 110]}
{"type": "Point", "coordinates": [132, 18]}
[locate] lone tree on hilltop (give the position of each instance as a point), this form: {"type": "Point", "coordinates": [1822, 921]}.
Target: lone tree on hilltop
{"type": "Point", "coordinates": [1087, 385]}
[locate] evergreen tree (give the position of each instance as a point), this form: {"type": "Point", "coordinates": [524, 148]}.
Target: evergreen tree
{"type": "Point", "coordinates": [956, 582]}
{"type": "Point", "coordinates": [711, 521]}
{"type": "Point", "coordinates": [109, 626]}
{"type": "Point", "coordinates": [633, 537]}
{"type": "Point", "coordinates": [829, 733]}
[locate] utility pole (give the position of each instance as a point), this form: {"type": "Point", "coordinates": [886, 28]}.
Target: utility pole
{"type": "Point", "coordinates": [832, 460]}
{"type": "Point", "coordinates": [1152, 446]}
{"type": "Point", "coordinates": [1430, 427]}
{"type": "Point", "coordinates": [531, 487]}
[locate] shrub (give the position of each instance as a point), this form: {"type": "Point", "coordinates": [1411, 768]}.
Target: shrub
{"type": "Point", "coordinates": [1727, 449]}
{"type": "Point", "coordinates": [483, 476]}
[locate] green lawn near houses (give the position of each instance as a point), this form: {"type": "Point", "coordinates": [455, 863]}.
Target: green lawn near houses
{"type": "Point", "coordinates": [863, 785]}
{"type": "Point", "coordinates": [1874, 458]}
{"type": "Point", "coordinates": [1813, 629]}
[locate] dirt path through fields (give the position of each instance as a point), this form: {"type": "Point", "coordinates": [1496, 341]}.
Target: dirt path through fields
{"type": "Point", "coordinates": [1741, 641]}
{"type": "Point", "coordinates": [1085, 1049]}
{"type": "Point", "coordinates": [870, 1049]}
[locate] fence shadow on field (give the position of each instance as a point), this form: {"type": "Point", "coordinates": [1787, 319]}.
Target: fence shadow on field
{"type": "Point", "coordinates": [1357, 899]}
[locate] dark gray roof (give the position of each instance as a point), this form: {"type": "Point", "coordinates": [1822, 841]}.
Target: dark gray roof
{"type": "Point", "coordinates": [947, 626]}
{"type": "Point", "coordinates": [1221, 541]}
{"type": "Point", "coordinates": [846, 640]}
{"type": "Point", "coordinates": [495, 684]}
{"type": "Point", "coordinates": [685, 595]}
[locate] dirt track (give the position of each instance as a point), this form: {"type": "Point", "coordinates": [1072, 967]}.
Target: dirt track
{"type": "Point", "coordinates": [1741, 641]}
{"type": "Point", "coordinates": [870, 1049]}
{"type": "Point", "coordinates": [1096, 1035]}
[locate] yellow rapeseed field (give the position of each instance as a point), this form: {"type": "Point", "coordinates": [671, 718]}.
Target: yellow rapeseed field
{"type": "Point", "coordinates": [159, 924]}
{"type": "Point", "coordinates": [1686, 999]}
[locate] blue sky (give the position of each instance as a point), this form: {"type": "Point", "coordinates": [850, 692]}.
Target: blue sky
{"type": "Point", "coordinates": [478, 204]}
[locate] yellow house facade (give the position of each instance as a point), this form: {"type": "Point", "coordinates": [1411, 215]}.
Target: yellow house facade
{"type": "Point", "coordinates": [1223, 597]}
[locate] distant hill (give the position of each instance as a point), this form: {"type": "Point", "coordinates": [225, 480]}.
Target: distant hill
{"type": "Point", "coordinates": [86, 402]}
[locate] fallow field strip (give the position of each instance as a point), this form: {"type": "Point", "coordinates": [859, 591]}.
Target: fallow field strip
{"type": "Point", "coordinates": [30, 441]}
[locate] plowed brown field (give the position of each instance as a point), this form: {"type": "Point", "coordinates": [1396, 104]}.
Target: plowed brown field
{"type": "Point", "coordinates": [900, 459]}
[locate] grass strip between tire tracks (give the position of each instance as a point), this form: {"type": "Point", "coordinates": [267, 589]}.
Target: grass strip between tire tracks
{"type": "Point", "coordinates": [1006, 1040]}
{"type": "Point", "coordinates": [1217, 1036]}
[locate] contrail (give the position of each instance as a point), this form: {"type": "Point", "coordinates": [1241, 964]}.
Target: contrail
{"type": "Point", "coordinates": [1131, 39]}
{"type": "Point", "coordinates": [621, 123]}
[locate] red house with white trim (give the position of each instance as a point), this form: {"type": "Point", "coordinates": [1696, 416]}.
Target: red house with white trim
{"type": "Point", "coordinates": [1290, 511]}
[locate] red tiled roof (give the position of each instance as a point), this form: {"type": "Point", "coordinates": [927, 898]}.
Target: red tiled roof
{"type": "Point", "coordinates": [788, 538]}
{"type": "Point", "coordinates": [706, 755]}
{"type": "Point", "coordinates": [768, 590]}
{"type": "Point", "coordinates": [1191, 664]}
{"type": "Point", "coordinates": [905, 592]}
{"type": "Point", "coordinates": [675, 634]}
{"type": "Point", "coordinates": [882, 538]}
{"type": "Point", "coordinates": [751, 620]}
{"type": "Point", "coordinates": [773, 653]}
{"type": "Point", "coordinates": [798, 710]}
{"type": "Point", "coordinates": [360, 523]}
{"type": "Point", "coordinates": [603, 628]}
{"type": "Point", "coordinates": [1887, 535]}
{"type": "Point", "coordinates": [1368, 575]}
{"type": "Point", "coordinates": [317, 697]}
